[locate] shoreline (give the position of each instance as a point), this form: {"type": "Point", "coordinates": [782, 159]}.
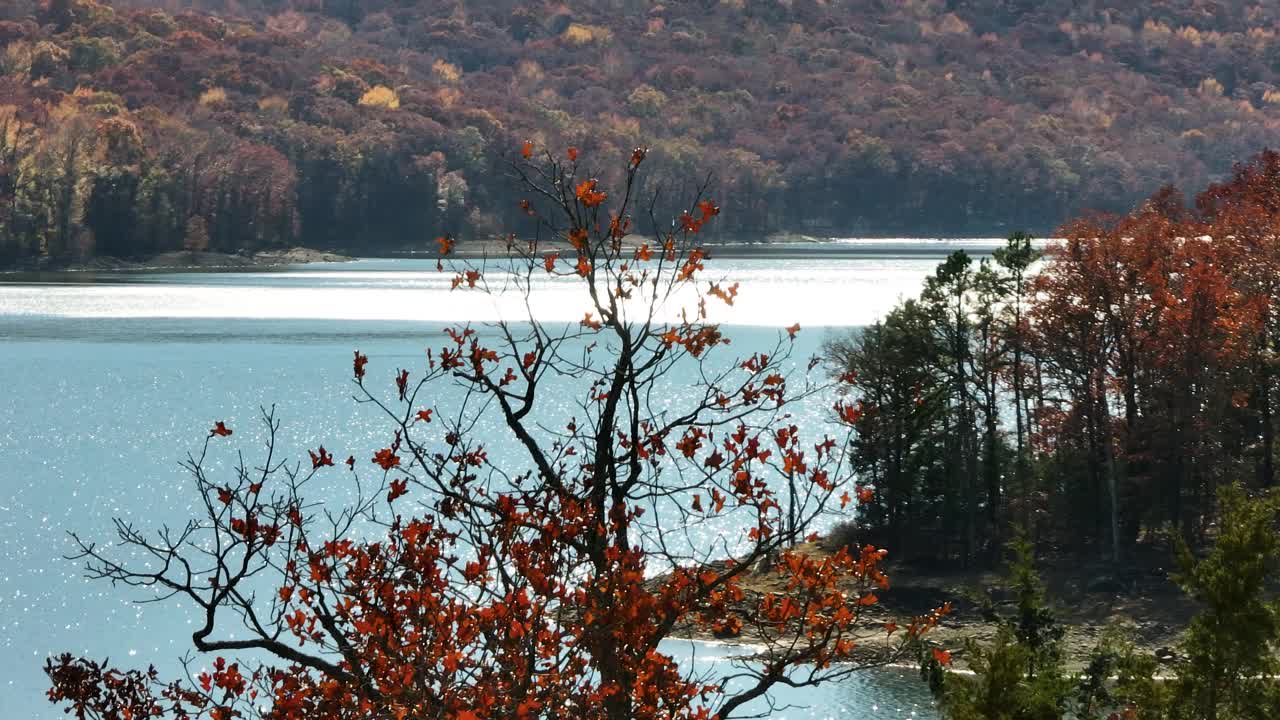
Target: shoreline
{"type": "Point", "coordinates": [182, 260]}
{"type": "Point", "coordinates": [782, 245]}
{"type": "Point", "coordinates": [1091, 600]}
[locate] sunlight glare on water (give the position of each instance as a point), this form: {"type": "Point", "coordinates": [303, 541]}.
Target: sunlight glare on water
{"type": "Point", "coordinates": [771, 294]}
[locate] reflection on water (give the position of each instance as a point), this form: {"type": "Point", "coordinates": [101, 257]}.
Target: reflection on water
{"type": "Point", "coordinates": [114, 377]}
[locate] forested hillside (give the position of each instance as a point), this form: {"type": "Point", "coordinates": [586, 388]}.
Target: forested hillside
{"type": "Point", "coordinates": [138, 126]}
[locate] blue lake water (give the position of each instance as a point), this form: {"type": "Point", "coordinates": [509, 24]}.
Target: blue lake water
{"type": "Point", "coordinates": [113, 377]}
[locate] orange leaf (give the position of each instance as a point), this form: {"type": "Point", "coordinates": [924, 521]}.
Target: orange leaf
{"type": "Point", "coordinates": [588, 195]}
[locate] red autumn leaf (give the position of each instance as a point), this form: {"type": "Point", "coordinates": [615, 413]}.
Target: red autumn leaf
{"type": "Point", "coordinates": [423, 415]}
{"type": "Point", "coordinates": [572, 152]}
{"type": "Point", "coordinates": [791, 331]}
{"type": "Point", "coordinates": [351, 461]}
{"type": "Point", "coordinates": [637, 156]}
{"type": "Point", "coordinates": [587, 321]}
{"type": "Point", "coordinates": [386, 459]}
{"type": "Point", "coordinates": [320, 459]}
{"type": "Point", "coordinates": [849, 413]}
{"type": "Point", "coordinates": [714, 460]}
{"type": "Point", "coordinates": [359, 363]}
{"type": "Point", "coordinates": [399, 488]}
{"type": "Point", "coordinates": [402, 382]}
{"type": "Point", "coordinates": [220, 429]}
{"type": "Point", "coordinates": [943, 657]}
{"type": "Point", "coordinates": [224, 496]}
{"type": "Point", "coordinates": [619, 227]}
{"type": "Point", "coordinates": [844, 500]}
{"type": "Point", "coordinates": [689, 223]}
{"type": "Point", "coordinates": [446, 243]}
{"type": "Point", "coordinates": [549, 261]}
{"type": "Point", "coordinates": [526, 150]}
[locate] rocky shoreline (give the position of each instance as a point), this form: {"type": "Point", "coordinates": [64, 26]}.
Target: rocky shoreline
{"type": "Point", "coordinates": [1091, 601]}
{"type": "Point", "coordinates": [183, 260]}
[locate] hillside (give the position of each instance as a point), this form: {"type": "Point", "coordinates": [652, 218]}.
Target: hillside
{"type": "Point", "coordinates": [139, 126]}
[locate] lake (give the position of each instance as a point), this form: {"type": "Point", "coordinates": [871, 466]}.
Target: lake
{"type": "Point", "coordinates": [115, 376]}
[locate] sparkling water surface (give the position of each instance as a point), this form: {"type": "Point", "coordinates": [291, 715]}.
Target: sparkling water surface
{"type": "Point", "coordinates": [113, 377]}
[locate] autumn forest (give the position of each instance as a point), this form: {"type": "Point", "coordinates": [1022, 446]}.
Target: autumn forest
{"type": "Point", "coordinates": [132, 127]}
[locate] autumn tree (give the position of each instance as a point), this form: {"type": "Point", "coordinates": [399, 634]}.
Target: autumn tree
{"type": "Point", "coordinates": [535, 573]}
{"type": "Point", "coordinates": [1244, 213]}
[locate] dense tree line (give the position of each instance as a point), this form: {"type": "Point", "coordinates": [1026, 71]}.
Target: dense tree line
{"type": "Point", "coordinates": [1097, 396]}
{"type": "Point", "coordinates": [135, 126]}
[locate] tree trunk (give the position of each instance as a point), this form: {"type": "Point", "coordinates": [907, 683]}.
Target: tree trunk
{"type": "Point", "coordinates": [1268, 476]}
{"type": "Point", "coordinates": [1108, 447]}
